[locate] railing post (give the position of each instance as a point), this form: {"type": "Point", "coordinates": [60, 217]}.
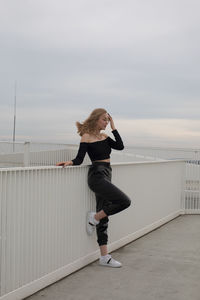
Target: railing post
{"type": "Point", "coordinates": [26, 154]}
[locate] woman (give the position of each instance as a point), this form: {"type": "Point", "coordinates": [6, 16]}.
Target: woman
{"type": "Point", "coordinates": [109, 199]}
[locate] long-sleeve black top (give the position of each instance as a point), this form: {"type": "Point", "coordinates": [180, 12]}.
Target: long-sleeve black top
{"type": "Point", "coordinates": [99, 150]}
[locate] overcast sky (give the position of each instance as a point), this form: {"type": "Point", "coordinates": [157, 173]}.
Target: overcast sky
{"type": "Point", "coordinates": [139, 59]}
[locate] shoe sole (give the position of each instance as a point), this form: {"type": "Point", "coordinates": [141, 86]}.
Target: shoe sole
{"type": "Point", "coordinates": [110, 266]}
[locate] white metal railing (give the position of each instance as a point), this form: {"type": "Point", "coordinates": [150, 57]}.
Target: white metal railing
{"type": "Point", "coordinates": [43, 211]}
{"type": "Point", "coordinates": [39, 158]}
{"type": "Point", "coordinates": [10, 147]}
{"type": "Point", "coordinates": [192, 170]}
{"type": "Point", "coordinates": [50, 157]}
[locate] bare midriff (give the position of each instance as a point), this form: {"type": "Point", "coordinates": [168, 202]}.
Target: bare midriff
{"type": "Point", "coordinates": [104, 160]}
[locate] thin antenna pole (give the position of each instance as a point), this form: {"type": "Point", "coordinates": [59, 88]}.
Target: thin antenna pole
{"type": "Point", "coordinates": [15, 104]}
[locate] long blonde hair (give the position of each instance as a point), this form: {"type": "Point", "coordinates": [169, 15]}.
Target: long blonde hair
{"type": "Point", "coordinates": [88, 126]}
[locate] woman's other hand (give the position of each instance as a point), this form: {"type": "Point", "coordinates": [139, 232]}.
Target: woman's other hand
{"type": "Point", "coordinates": [64, 163]}
{"type": "Point", "coordinates": [112, 125]}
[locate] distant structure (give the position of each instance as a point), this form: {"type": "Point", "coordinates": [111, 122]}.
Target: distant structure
{"type": "Point", "coordinates": [14, 127]}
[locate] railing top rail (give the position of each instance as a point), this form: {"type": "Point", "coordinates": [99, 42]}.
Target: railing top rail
{"type": "Point", "coordinates": [83, 166]}
{"type": "Point", "coordinates": [9, 142]}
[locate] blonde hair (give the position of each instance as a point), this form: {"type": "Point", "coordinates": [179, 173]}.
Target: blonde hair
{"type": "Point", "coordinates": [89, 124]}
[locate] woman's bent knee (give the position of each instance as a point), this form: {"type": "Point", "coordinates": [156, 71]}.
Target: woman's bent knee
{"type": "Point", "coordinates": [127, 202]}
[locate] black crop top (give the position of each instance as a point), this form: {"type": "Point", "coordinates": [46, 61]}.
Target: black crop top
{"type": "Point", "coordinates": [99, 150]}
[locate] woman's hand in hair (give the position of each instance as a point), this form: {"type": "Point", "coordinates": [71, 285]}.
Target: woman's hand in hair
{"type": "Point", "coordinates": [112, 125]}
{"type": "Point", "coordinates": [64, 163]}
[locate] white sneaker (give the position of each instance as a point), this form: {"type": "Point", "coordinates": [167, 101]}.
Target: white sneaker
{"type": "Point", "coordinates": [109, 262]}
{"type": "Point", "coordinates": [91, 222]}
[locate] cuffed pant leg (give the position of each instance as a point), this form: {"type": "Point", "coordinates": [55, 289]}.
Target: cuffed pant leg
{"type": "Point", "coordinates": [102, 227]}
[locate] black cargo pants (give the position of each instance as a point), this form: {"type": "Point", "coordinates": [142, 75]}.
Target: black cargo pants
{"type": "Point", "coordinates": [109, 198]}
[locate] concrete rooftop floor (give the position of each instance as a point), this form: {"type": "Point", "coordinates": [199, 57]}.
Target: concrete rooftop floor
{"type": "Point", "coordinates": [162, 265]}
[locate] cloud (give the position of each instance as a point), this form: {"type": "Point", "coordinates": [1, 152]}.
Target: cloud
{"type": "Point", "coordinates": [138, 59]}
{"type": "Point", "coordinates": [161, 132]}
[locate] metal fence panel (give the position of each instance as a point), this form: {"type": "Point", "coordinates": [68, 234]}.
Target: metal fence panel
{"type": "Point", "coordinates": [43, 214]}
